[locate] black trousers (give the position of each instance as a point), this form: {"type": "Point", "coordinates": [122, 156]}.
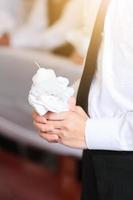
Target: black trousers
{"type": "Point", "coordinates": [107, 175]}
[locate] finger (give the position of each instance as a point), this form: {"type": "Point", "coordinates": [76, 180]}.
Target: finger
{"type": "Point", "coordinates": [62, 134]}
{"type": "Point", "coordinates": [50, 138]}
{"type": "Point", "coordinates": [43, 127]}
{"type": "Point", "coordinates": [57, 116]}
{"type": "Point", "coordinates": [56, 131]}
{"type": "Point", "coordinates": [72, 103]}
{"type": "Point", "coordinates": [34, 114]}
{"type": "Point", "coordinates": [56, 124]}
{"type": "Point", "coordinates": [81, 112]}
{"type": "Point", "coordinates": [39, 119]}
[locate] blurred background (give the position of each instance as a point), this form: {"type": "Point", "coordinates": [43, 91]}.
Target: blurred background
{"type": "Point", "coordinates": [53, 33]}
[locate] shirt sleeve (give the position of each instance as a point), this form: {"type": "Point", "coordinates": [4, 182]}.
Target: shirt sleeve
{"type": "Point", "coordinates": [110, 133]}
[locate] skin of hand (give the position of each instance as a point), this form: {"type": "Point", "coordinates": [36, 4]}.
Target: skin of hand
{"type": "Point", "coordinates": [67, 128]}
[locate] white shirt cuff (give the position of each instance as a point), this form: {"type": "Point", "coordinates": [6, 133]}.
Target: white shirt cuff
{"type": "Point", "coordinates": [102, 134]}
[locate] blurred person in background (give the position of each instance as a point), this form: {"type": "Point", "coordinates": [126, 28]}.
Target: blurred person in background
{"type": "Point", "coordinates": [28, 35]}
{"type": "Point", "coordinates": [72, 27]}
{"type": "Point", "coordinates": [12, 16]}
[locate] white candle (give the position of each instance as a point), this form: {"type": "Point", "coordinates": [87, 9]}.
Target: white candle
{"type": "Point", "coordinates": [42, 75]}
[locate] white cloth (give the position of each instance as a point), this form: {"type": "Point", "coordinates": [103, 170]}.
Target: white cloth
{"type": "Point", "coordinates": [49, 92]}
{"type": "Point", "coordinates": [110, 126]}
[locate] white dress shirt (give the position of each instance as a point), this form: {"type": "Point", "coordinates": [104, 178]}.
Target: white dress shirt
{"type": "Point", "coordinates": [110, 126]}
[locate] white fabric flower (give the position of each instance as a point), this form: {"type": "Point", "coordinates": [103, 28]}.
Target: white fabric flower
{"type": "Point", "coordinates": [49, 93]}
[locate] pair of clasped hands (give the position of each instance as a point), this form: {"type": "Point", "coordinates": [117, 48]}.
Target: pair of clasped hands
{"type": "Point", "coordinates": [67, 128]}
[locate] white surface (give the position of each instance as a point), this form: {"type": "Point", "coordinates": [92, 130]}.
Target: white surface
{"type": "Point", "coordinates": [49, 92]}
{"type": "Point", "coordinates": [16, 71]}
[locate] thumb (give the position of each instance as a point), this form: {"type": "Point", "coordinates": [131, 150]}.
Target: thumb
{"type": "Point", "coordinates": [72, 104]}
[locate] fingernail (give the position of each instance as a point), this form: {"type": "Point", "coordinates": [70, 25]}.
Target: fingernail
{"type": "Point", "coordinates": [55, 137]}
